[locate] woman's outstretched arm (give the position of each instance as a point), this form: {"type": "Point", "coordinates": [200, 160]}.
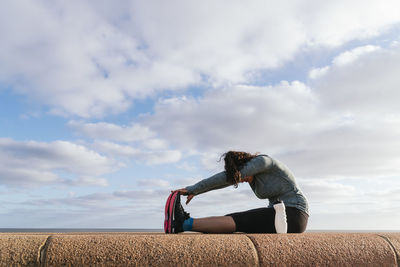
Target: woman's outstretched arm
{"type": "Point", "coordinates": [214, 182]}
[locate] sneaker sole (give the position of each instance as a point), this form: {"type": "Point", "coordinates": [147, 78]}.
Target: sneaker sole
{"type": "Point", "coordinates": [170, 212]}
{"type": "Point", "coordinates": [166, 213]}
{"type": "Point", "coordinates": [173, 223]}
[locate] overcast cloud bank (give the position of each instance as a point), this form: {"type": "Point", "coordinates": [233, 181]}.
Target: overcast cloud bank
{"type": "Point", "coordinates": [137, 49]}
{"type": "Point", "coordinates": [37, 163]}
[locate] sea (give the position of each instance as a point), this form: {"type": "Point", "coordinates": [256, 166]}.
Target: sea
{"type": "Point", "coordinates": [127, 230]}
{"type": "Point", "coordinates": [77, 230]}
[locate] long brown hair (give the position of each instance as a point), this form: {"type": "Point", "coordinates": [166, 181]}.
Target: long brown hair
{"type": "Point", "coordinates": [234, 161]}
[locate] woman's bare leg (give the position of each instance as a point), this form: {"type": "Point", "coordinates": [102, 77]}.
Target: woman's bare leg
{"type": "Point", "coordinates": [217, 224]}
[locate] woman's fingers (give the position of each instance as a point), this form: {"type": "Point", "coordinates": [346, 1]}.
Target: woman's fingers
{"type": "Point", "coordinates": [189, 198]}
{"type": "Point", "coordinates": [183, 191]}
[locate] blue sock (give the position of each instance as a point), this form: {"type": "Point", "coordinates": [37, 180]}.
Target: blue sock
{"type": "Point", "coordinates": [187, 224]}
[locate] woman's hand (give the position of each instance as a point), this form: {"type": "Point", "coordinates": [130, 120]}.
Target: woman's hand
{"type": "Point", "coordinates": [185, 192]}
{"type": "Point", "coordinates": [248, 179]}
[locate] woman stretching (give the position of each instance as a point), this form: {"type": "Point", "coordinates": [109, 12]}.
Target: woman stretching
{"type": "Point", "coordinates": [268, 178]}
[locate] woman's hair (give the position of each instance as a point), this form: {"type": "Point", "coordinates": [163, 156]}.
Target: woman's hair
{"type": "Point", "coordinates": [234, 161]}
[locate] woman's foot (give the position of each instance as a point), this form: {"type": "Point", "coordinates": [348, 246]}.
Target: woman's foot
{"type": "Point", "coordinates": [179, 216]}
{"type": "Point", "coordinates": [169, 211]}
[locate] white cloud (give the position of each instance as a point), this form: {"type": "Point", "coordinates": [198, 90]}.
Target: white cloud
{"type": "Point", "coordinates": [138, 142]}
{"type": "Point", "coordinates": [344, 58]}
{"type": "Point", "coordinates": [109, 131]}
{"type": "Point", "coordinates": [87, 181]}
{"type": "Point", "coordinates": [116, 149]}
{"type": "Point", "coordinates": [346, 123]}
{"type": "Point", "coordinates": [155, 144]}
{"type": "Point", "coordinates": [337, 22]}
{"type": "Point", "coordinates": [33, 163]}
{"type": "Point", "coordinates": [352, 55]}
{"type": "Point", "coordinates": [363, 94]}
{"type": "Point", "coordinates": [161, 157]}
{"type": "Point", "coordinates": [361, 220]}
{"type": "Point", "coordinates": [327, 192]}
{"type": "Point", "coordinates": [366, 86]}
{"type": "Point", "coordinates": [150, 157]}
{"type": "Point", "coordinates": [90, 59]}
{"type": "Point", "coordinates": [252, 118]}
{"type": "Point", "coordinates": [186, 166]}
{"type": "Point", "coordinates": [153, 183]}
{"type": "Point", "coordinates": [318, 72]}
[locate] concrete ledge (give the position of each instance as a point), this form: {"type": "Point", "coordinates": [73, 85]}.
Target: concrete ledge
{"type": "Point", "coordinates": [21, 250]}
{"type": "Point", "coordinates": [151, 250]}
{"type": "Point", "coordinates": [394, 241]}
{"type": "Point", "coordinates": [324, 250]}
{"type": "Point", "coordinates": [190, 249]}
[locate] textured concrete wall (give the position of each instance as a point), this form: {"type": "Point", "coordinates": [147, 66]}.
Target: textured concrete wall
{"type": "Point", "coordinates": [21, 249]}
{"type": "Point", "coordinates": [152, 250]}
{"type": "Point", "coordinates": [324, 250]}
{"type": "Point", "coordinates": [190, 249]}
{"type": "Point", "coordinates": [394, 241]}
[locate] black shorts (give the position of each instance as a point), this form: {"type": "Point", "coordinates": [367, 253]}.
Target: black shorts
{"type": "Point", "coordinates": [262, 220]}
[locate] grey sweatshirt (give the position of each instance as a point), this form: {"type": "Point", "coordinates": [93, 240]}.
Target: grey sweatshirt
{"type": "Point", "coordinates": [272, 180]}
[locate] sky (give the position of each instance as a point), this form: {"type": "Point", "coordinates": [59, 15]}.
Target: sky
{"type": "Point", "coordinates": [107, 106]}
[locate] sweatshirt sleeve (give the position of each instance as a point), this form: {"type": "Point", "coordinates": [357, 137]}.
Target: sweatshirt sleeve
{"type": "Point", "coordinates": [256, 165]}
{"type": "Point", "coordinates": [216, 181]}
